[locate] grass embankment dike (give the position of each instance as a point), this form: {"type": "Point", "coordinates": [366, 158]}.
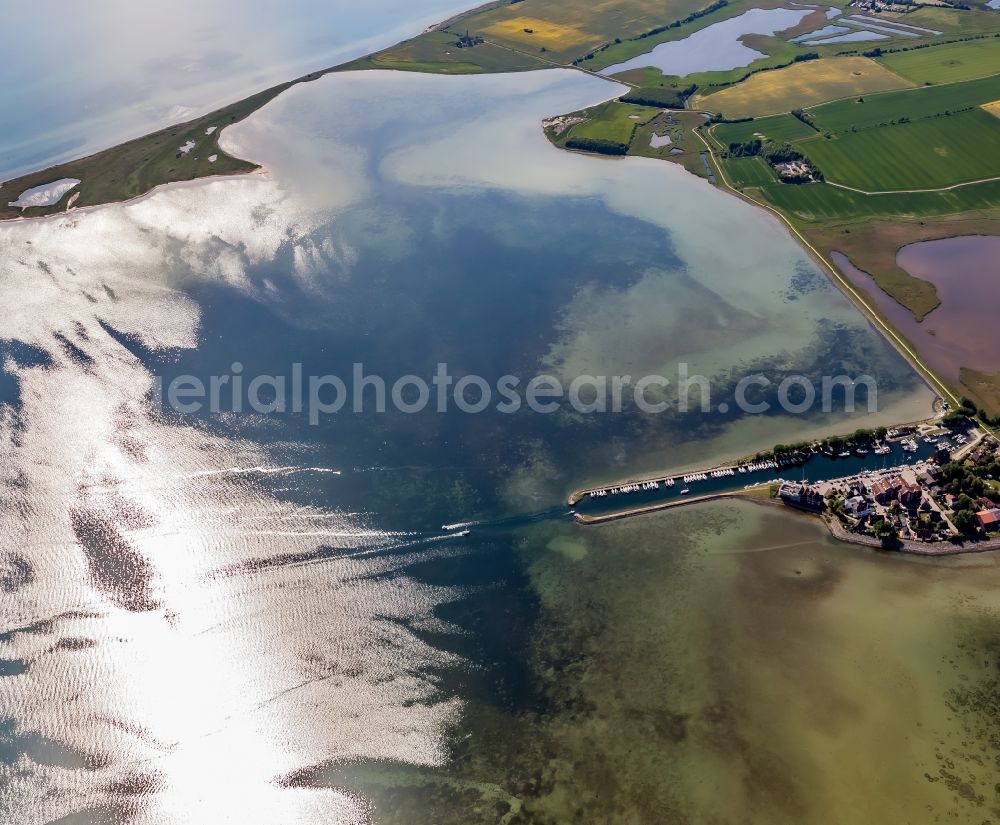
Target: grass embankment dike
{"type": "Point", "coordinates": [835, 219]}
{"type": "Point", "coordinates": [821, 248]}
{"type": "Point", "coordinates": [826, 217]}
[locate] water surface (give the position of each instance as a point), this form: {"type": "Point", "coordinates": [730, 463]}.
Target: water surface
{"type": "Point", "coordinates": [849, 38]}
{"type": "Point", "coordinates": [717, 47]}
{"type": "Point", "coordinates": [110, 70]}
{"type": "Point", "coordinates": [719, 664]}
{"type": "Point", "coordinates": [243, 618]}
{"type": "Point", "coordinates": [826, 31]}
{"type": "Point", "coordinates": [965, 272]}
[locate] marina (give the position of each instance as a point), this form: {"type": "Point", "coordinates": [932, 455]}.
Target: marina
{"type": "Point", "coordinates": [801, 466]}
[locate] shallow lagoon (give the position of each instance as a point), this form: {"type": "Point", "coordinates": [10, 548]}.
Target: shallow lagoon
{"type": "Point", "coordinates": [222, 608]}
{"type": "Point", "coordinates": [849, 38]}
{"type": "Point", "coordinates": [717, 47]}
{"type": "Point", "coordinates": [965, 272]}
{"type": "Point", "coordinates": [45, 195]}
{"type": "Point", "coordinates": [826, 31]}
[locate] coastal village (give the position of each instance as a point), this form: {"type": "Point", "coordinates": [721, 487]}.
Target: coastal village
{"type": "Point", "coordinates": [952, 496]}
{"type": "Point", "coordinates": [942, 495]}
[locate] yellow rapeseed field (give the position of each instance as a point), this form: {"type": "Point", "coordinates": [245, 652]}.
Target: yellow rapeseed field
{"type": "Point", "coordinates": [530, 31]}
{"type": "Point", "coordinates": [801, 84]}
{"type": "Point", "coordinates": [569, 29]}
{"type": "Point", "coordinates": [993, 108]}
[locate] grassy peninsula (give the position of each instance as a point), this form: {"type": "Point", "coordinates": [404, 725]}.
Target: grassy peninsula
{"type": "Point", "coordinates": [138, 166]}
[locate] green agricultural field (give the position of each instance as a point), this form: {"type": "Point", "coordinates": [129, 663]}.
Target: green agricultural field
{"type": "Point", "coordinates": [953, 22]}
{"type": "Point", "coordinates": [645, 76]}
{"type": "Point", "coordinates": [926, 101]}
{"type": "Point", "coordinates": [820, 202]}
{"type": "Point", "coordinates": [948, 63]}
{"type": "Point", "coordinates": [614, 121]}
{"type": "Point", "coordinates": [926, 154]}
{"type": "Point", "coordinates": [743, 172]}
{"type": "Point", "coordinates": [779, 128]}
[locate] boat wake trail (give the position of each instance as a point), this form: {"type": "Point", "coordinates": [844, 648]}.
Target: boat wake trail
{"type": "Point", "coordinates": [508, 522]}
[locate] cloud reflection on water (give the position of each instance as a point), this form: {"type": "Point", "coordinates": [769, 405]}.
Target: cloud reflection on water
{"type": "Point", "coordinates": [233, 636]}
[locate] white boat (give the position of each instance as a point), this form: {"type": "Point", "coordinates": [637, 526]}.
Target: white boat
{"type": "Point", "coordinates": [685, 491]}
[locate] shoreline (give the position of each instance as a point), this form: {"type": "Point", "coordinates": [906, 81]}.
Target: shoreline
{"type": "Point", "coordinates": [223, 116]}
{"type": "Point", "coordinates": [835, 528]}
{"type": "Point", "coordinates": [260, 172]}
{"type": "Point", "coordinates": [938, 387]}
{"type": "Point", "coordinates": [892, 336]}
{"type": "Point", "coordinates": [580, 493]}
